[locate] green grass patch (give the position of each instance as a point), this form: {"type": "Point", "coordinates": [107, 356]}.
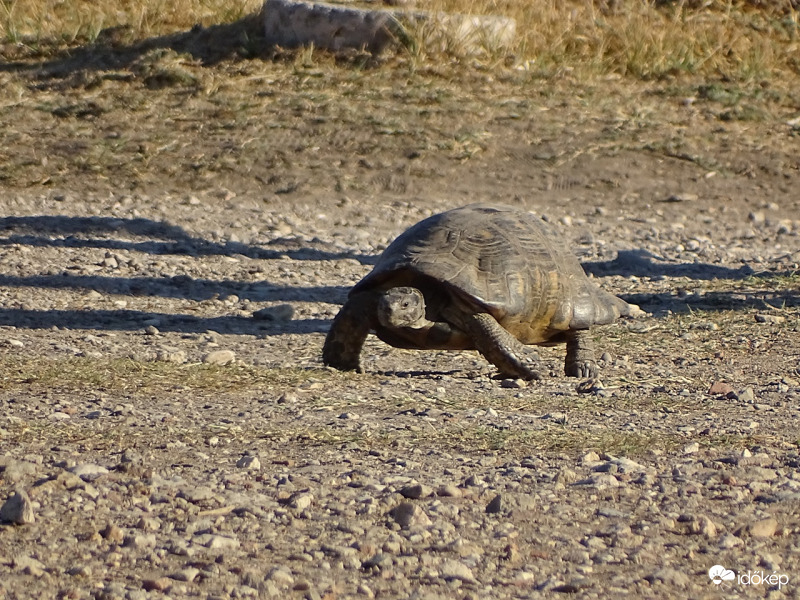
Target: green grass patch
{"type": "Point", "coordinates": [783, 282]}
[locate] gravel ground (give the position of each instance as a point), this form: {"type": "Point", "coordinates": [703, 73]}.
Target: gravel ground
{"type": "Point", "coordinates": [167, 428]}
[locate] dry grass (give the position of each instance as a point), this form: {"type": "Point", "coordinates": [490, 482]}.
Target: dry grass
{"type": "Point", "coordinates": [130, 376]}
{"type": "Point", "coordinates": [638, 38]}
{"type": "Point", "coordinates": [82, 20]}
{"type": "Point", "coordinates": [643, 40]}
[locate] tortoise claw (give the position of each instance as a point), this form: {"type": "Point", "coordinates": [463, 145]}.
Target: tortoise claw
{"type": "Point", "coordinates": [585, 370]}
{"type": "Point", "coordinates": [528, 373]}
{"type": "Point", "coordinates": [580, 355]}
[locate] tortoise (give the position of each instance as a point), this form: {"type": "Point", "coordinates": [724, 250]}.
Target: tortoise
{"type": "Point", "coordinates": [480, 277]}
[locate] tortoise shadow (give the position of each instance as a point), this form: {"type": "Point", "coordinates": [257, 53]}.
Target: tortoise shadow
{"type": "Point", "coordinates": [643, 264]}
{"type": "Point", "coordinates": [433, 375]}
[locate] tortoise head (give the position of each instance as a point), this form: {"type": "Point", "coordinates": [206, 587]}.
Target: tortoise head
{"type": "Point", "coordinates": [402, 307]}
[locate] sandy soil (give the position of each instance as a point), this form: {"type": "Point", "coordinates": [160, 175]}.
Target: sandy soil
{"type": "Point", "coordinates": [167, 420]}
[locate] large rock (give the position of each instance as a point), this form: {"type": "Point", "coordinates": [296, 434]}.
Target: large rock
{"type": "Point", "coordinates": [291, 23]}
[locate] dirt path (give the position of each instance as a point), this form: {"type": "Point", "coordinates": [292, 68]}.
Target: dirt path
{"type": "Point", "coordinates": [148, 217]}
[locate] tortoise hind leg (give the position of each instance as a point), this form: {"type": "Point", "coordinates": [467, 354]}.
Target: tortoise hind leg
{"type": "Point", "coordinates": [580, 360]}
{"type": "Point", "coordinates": [349, 330]}
{"type": "Point", "coordinates": [496, 344]}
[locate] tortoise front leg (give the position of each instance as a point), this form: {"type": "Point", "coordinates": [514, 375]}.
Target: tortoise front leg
{"type": "Point", "coordinates": [349, 330]}
{"type": "Point", "coordinates": [497, 345]}
{"type": "Point", "coordinates": [580, 360]}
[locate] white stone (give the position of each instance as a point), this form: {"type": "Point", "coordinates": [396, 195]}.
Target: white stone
{"type": "Point", "coordinates": [188, 574]}
{"type": "Point", "coordinates": [29, 565]}
{"type": "Point", "coordinates": [219, 357]}
{"type": "Point", "coordinates": [88, 471]}
{"type": "Point", "coordinates": [217, 542]}
{"type": "Point", "coordinates": [453, 569]}
{"type": "Point", "coordinates": [302, 501]}
{"type": "Point", "coordinates": [281, 575]}
{"type": "Point", "coordinates": [291, 23]}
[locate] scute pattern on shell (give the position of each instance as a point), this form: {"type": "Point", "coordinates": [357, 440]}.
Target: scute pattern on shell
{"type": "Point", "coordinates": [507, 261]}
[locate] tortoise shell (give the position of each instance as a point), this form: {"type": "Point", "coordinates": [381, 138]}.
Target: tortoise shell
{"type": "Point", "coordinates": [504, 261]}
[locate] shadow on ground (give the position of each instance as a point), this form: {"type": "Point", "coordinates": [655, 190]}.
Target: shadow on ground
{"type": "Point", "coordinates": [117, 54]}
{"type": "Point", "coordinates": [640, 263]}
{"type": "Point", "coordinates": [115, 49]}
{"type": "Point", "coordinates": [663, 304]}
{"type": "Point", "coordinates": [180, 286]}
{"type": "Point", "coordinates": [156, 238]}
{"type": "Point", "coordinates": [127, 320]}
{"type": "Point", "coordinates": [163, 238]}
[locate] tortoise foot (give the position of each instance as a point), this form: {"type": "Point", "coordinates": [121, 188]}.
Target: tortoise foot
{"type": "Point", "coordinates": [580, 360]}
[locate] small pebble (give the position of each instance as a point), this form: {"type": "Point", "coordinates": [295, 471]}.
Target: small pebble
{"type": "Point", "coordinates": [407, 514]}
{"type": "Point", "coordinates": [449, 490]}
{"type": "Point", "coordinates": [763, 528]}
{"type": "Point", "coordinates": [277, 313]}
{"type": "Point", "coordinates": [188, 574]}
{"type": "Point", "coordinates": [301, 501]}
{"type": "Point", "coordinates": [416, 491]}
{"type": "Point", "coordinates": [691, 448]}
{"type": "Point", "coordinates": [514, 384]}
{"type": "Point", "coordinates": [456, 570]}
{"type": "Point", "coordinates": [719, 388]}
{"type": "Point", "coordinates": [219, 357]}
{"type": "Point", "coordinates": [251, 463]}
{"type": "Point", "coordinates": [18, 509]}
{"type": "Point", "coordinates": [495, 505]}
{"type": "Point", "coordinates": [161, 584]}
{"type": "Point", "coordinates": [774, 319]}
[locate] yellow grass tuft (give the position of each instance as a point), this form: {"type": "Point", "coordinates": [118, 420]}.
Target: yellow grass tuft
{"type": "Point", "coordinates": [82, 20]}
